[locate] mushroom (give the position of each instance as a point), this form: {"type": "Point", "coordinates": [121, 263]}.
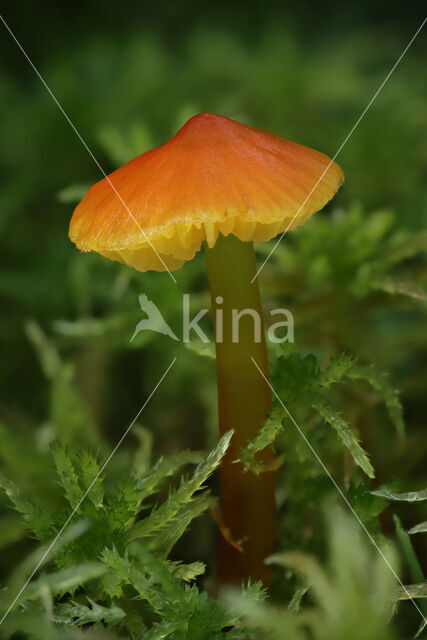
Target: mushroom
{"type": "Point", "coordinates": [226, 185]}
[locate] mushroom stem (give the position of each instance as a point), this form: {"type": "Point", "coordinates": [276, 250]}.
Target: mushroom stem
{"type": "Point", "coordinates": [244, 400]}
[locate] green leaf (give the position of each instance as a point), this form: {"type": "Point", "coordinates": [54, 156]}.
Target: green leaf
{"type": "Point", "coordinates": [295, 603]}
{"type": "Point", "coordinates": [165, 467]}
{"type": "Point", "coordinates": [295, 376]}
{"type": "Point", "coordinates": [131, 573]}
{"type": "Point", "coordinates": [48, 356]}
{"type": "Point", "coordinates": [336, 370]}
{"type": "Point", "coordinates": [421, 628]}
{"type": "Point", "coordinates": [80, 614]}
{"type": "Point", "coordinates": [273, 622]}
{"type": "Point", "coordinates": [419, 528]}
{"type": "Point", "coordinates": [204, 349]}
{"type": "Point", "coordinates": [89, 476]}
{"type": "Point", "coordinates": [186, 572]}
{"type": "Point", "coordinates": [410, 591]}
{"type": "Point", "coordinates": [72, 194]}
{"type": "Point", "coordinates": [67, 474]}
{"type": "Point", "coordinates": [346, 436]}
{"type": "Point", "coordinates": [143, 453]}
{"type": "Point", "coordinates": [408, 551]}
{"type": "Point", "coordinates": [46, 553]}
{"type": "Point", "coordinates": [64, 581]}
{"type": "Point", "coordinates": [255, 591]}
{"type": "Point", "coordinates": [355, 579]}
{"type": "Point", "coordinates": [413, 564]}
{"type": "Point", "coordinates": [401, 287]}
{"type": "Point", "coordinates": [135, 490]}
{"type": "Point", "coordinates": [167, 514]}
{"type": "Point", "coordinates": [30, 622]}
{"type": "Point", "coordinates": [308, 566]}
{"type": "Point", "coordinates": [124, 505]}
{"type": "Point", "coordinates": [165, 540]}
{"type": "Point", "coordinates": [161, 630]}
{"type": "Point", "coordinates": [380, 383]}
{"type": "Point", "coordinates": [69, 415]}
{"type": "Point", "coordinates": [37, 519]}
{"type": "Point", "coordinates": [405, 248]}
{"type": "Point", "coordinates": [366, 505]}
{"type": "Point", "coordinates": [123, 145]}
{"type": "Point", "coordinates": [409, 496]}
{"type": "Point", "coordinates": [265, 437]}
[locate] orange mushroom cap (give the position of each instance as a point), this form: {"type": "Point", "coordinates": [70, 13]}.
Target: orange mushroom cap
{"type": "Point", "coordinates": [214, 176]}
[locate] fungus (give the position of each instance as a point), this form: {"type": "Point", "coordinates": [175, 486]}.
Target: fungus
{"type": "Point", "coordinates": [226, 185]}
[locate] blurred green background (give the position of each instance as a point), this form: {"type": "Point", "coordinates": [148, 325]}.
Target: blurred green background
{"type": "Point", "coordinates": [129, 75]}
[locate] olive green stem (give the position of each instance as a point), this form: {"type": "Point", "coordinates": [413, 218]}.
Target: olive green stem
{"type": "Point", "coordinates": [244, 400]}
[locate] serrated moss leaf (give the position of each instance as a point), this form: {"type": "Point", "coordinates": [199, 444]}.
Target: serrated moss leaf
{"type": "Point", "coordinates": [37, 520]}
{"type": "Point", "coordinates": [419, 528]}
{"type": "Point", "coordinates": [135, 490]}
{"type": "Point", "coordinates": [410, 591]}
{"type": "Point", "coordinates": [164, 468]}
{"type": "Point", "coordinates": [346, 436]}
{"type": "Point", "coordinates": [89, 474]}
{"type": "Point", "coordinates": [380, 383]}
{"type": "Point", "coordinates": [265, 437]}
{"type": "Point", "coordinates": [166, 514]}
{"type": "Point", "coordinates": [186, 572]}
{"type": "Point", "coordinates": [64, 581]}
{"type": "Point", "coordinates": [295, 376]}
{"type": "Point", "coordinates": [401, 287]}
{"type": "Point", "coordinates": [295, 603]}
{"type": "Point", "coordinates": [67, 473]}
{"type": "Point", "coordinates": [129, 572]}
{"type": "Point", "coordinates": [79, 614]}
{"type": "Point", "coordinates": [336, 370]}
{"type": "Point", "coordinates": [409, 496]}
{"type": "Point", "coordinates": [165, 540]}
{"type": "Point", "coordinates": [405, 248]}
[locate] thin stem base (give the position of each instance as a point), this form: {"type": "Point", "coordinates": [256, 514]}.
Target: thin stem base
{"type": "Point", "coordinates": [244, 400]}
